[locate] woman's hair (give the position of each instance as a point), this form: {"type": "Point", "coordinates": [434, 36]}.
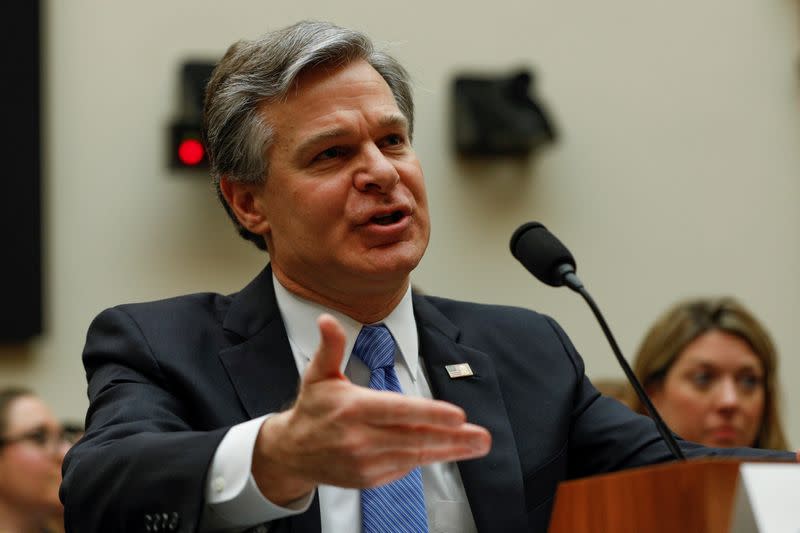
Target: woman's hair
{"type": "Point", "coordinates": [7, 397]}
{"type": "Point", "coordinates": [688, 320]}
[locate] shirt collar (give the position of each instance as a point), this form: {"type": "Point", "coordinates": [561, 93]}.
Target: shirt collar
{"type": "Point", "coordinates": [300, 319]}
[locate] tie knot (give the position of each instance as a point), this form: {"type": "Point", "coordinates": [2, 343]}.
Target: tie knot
{"type": "Point", "coordinates": [375, 346]}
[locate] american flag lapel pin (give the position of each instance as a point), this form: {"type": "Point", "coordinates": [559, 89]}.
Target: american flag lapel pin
{"type": "Point", "coordinates": [462, 370]}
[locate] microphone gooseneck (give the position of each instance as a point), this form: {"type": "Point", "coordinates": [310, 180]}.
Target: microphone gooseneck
{"type": "Point", "coordinates": [550, 262]}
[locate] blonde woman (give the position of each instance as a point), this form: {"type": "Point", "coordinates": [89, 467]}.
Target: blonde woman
{"type": "Point", "coordinates": [710, 369]}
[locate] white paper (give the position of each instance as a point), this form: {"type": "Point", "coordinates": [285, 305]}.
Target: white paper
{"type": "Point", "coordinates": [767, 498]}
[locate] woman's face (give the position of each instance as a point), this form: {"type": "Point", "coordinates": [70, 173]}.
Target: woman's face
{"type": "Point", "coordinates": [30, 464]}
{"type": "Point", "coordinates": [714, 393]}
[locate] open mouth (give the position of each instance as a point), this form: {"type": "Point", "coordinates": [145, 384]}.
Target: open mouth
{"type": "Point", "coordinates": [385, 220]}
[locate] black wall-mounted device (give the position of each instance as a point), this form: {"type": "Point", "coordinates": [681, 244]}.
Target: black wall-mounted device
{"type": "Point", "coordinates": [499, 116]}
{"type": "Point", "coordinates": [186, 149]}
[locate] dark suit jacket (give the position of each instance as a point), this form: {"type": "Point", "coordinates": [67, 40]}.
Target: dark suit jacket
{"type": "Point", "coordinates": [167, 379]}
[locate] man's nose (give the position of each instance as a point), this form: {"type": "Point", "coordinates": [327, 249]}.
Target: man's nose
{"type": "Point", "coordinates": [375, 172]}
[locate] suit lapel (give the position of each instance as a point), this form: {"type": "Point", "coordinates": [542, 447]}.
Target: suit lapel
{"type": "Point", "coordinates": [493, 483]}
{"type": "Point", "coordinates": [263, 370]}
{"type": "Point", "coordinates": [261, 366]}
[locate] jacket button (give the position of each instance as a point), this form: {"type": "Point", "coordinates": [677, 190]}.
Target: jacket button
{"type": "Point", "coordinates": [174, 520]}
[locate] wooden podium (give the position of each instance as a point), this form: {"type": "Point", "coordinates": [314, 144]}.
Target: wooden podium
{"type": "Point", "coordinates": [694, 496]}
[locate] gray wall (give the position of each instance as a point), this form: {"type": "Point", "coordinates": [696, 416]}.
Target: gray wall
{"type": "Point", "coordinates": [676, 175]}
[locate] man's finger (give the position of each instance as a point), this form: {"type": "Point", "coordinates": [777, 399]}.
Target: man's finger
{"type": "Point", "coordinates": [327, 362]}
{"type": "Point", "coordinates": [392, 409]}
{"type": "Point", "coordinates": [385, 467]}
{"type": "Point", "coordinates": [422, 439]}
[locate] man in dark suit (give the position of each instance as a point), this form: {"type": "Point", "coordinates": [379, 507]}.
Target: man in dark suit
{"type": "Point", "coordinates": [213, 412]}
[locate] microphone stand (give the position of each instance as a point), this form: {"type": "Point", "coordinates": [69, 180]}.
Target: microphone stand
{"type": "Point", "coordinates": [572, 281]}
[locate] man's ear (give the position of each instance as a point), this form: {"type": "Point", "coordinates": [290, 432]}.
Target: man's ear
{"type": "Point", "coordinates": [244, 200]}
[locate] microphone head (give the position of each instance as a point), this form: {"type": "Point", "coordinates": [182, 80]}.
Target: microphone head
{"type": "Point", "coordinates": [541, 253]}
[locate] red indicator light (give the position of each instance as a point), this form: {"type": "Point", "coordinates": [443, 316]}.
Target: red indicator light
{"type": "Point", "coordinates": [190, 152]}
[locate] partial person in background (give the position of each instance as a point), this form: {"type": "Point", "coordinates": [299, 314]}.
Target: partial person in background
{"type": "Point", "coordinates": [32, 447]}
{"type": "Point", "coordinates": [73, 431]}
{"type": "Point", "coordinates": [710, 369]}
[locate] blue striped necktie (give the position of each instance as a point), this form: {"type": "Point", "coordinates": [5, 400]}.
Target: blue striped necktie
{"type": "Point", "coordinates": [398, 506]}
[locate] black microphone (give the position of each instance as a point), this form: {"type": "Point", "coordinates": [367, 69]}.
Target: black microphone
{"type": "Point", "coordinates": [549, 260]}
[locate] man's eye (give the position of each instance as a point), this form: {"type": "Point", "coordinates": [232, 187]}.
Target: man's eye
{"type": "Point", "coordinates": [330, 153]}
{"type": "Point", "coordinates": [393, 140]}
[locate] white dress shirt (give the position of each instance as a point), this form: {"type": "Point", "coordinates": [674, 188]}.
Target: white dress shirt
{"type": "Point", "coordinates": [233, 500]}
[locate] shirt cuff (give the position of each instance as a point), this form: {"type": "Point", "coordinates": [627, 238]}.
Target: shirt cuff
{"type": "Point", "coordinates": [232, 495]}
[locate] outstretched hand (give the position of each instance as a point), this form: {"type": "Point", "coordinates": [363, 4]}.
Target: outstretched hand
{"type": "Point", "coordinates": [338, 433]}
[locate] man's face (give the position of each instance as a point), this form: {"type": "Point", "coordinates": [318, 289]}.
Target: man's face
{"type": "Point", "coordinates": [344, 200]}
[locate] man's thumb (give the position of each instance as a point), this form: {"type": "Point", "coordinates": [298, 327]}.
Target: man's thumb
{"type": "Point", "coordinates": [327, 362]}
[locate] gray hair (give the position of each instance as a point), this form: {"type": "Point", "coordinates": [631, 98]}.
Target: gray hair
{"type": "Point", "coordinates": [253, 73]}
